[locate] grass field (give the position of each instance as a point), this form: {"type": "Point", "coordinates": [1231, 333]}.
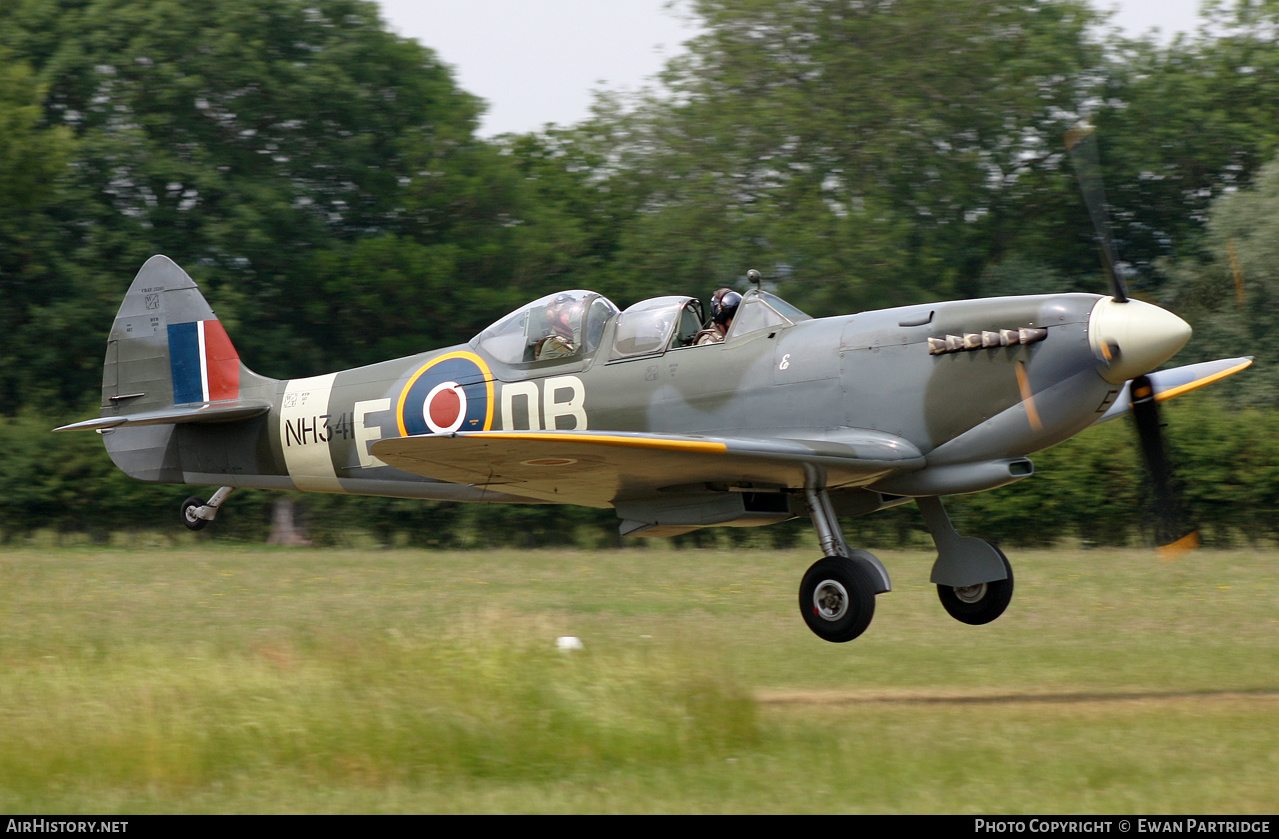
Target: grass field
{"type": "Point", "coordinates": [223, 679]}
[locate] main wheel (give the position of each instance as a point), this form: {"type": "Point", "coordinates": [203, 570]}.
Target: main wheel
{"type": "Point", "coordinates": [982, 603]}
{"type": "Point", "coordinates": [189, 517]}
{"type": "Point", "coordinates": [837, 599]}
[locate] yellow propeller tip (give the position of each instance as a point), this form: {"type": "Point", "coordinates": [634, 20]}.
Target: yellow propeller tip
{"type": "Point", "coordinates": [1180, 548]}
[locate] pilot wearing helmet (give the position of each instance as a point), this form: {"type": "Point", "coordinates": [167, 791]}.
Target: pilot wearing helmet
{"type": "Point", "coordinates": [724, 303]}
{"type": "Point", "coordinates": [563, 316]}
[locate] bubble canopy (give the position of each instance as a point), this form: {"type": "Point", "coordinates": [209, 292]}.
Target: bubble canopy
{"type": "Point", "coordinates": [563, 325]}
{"type": "Point", "coordinates": [569, 325]}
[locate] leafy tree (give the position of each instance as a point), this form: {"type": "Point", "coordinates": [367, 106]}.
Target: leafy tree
{"type": "Point", "coordinates": [1230, 294]}
{"type": "Point", "coordinates": [244, 137]}
{"type": "Point", "coordinates": [1185, 123]}
{"type": "Point", "coordinates": [870, 153]}
{"type": "Point", "coordinates": [32, 158]}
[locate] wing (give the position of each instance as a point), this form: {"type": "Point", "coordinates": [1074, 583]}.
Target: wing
{"type": "Point", "coordinates": [598, 469]}
{"type": "Point", "coordinates": [1169, 384]}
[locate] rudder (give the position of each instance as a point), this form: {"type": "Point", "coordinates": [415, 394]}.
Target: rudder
{"type": "Point", "coordinates": [167, 347]}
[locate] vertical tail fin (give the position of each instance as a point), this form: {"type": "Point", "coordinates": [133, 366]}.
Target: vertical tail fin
{"type": "Point", "coordinates": [169, 363]}
{"type": "Point", "coordinates": [167, 347]}
{"type": "Point", "coordinates": [169, 360]}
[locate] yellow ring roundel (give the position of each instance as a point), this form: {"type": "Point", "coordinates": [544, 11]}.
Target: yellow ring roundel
{"type": "Point", "coordinates": [451, 392]}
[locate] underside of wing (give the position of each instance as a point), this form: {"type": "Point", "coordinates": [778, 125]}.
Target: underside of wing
{"type": "Point", "coordinates": [599, 469]}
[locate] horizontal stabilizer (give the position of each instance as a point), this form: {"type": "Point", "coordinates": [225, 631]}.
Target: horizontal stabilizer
{"type": "Point", "coordinates": [175, 416]}
{"type": "Point", "coordinates": [1169, 384]}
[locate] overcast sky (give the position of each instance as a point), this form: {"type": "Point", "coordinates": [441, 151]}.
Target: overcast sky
{"type": "Point", "coordinates": [538, 61]}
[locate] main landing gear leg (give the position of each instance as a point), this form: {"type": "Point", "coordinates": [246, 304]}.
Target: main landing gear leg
{"type": "Point", "coordinates": [974, 579]}
{"type": "Point", "coordinates": [837, 594]}
{"type": "Point", "coordinates": [197, 513]}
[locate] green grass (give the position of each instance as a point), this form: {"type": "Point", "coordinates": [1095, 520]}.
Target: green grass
{"type": "Point", "coordinates": [212, 679]}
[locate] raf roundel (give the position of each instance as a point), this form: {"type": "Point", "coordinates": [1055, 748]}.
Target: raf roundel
{"type": "Point", "coordinates": [445, 407]}
{"type": "Point", "coordinates": [451, 393]}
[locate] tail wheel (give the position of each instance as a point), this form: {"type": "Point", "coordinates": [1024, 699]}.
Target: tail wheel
{"type": "Point", "coordinates": [837, 599]}
{"type": "Point", "coordinates": [190, 517]}
{"type": "Point", "coordinates": [982, 603]}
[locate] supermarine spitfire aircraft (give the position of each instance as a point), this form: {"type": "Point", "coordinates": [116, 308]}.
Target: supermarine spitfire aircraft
{"type": "Point", "coordinates": [570, 401]}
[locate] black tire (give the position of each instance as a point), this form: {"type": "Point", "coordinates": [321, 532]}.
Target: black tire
{"type": "Point", "coordinates": [189, 518]}
{"type": "Point", "coordinates": [837, 599]}
{"type": "Point", "coordinates": [982, 603]}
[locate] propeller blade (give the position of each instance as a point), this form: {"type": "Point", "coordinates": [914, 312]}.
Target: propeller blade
{"type": "Point", "coordinates": [1173, 533]}
{"type": "Point", "coordinates": [1081, 145]}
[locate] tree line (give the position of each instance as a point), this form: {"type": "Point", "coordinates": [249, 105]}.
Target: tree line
{"type": "Point", "coordinates": [321, 179]}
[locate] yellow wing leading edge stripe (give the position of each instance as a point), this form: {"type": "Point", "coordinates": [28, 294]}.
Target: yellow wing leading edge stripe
{"type": "Point", "coordinates": [705, 446]}
{"type": "Point", "coordinates": [1173, 392]}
